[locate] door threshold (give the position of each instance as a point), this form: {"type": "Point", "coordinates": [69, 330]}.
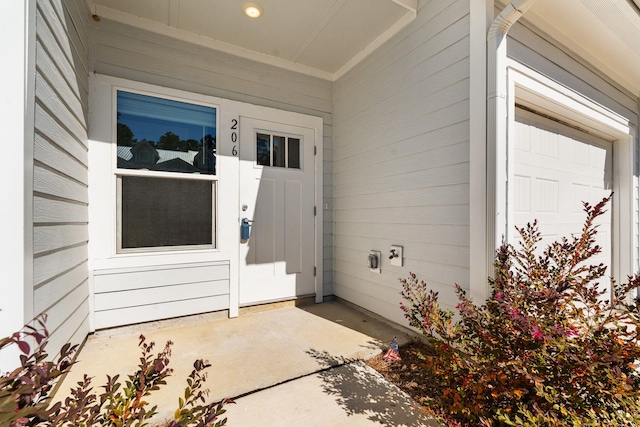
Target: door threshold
{"type": "Point", "coordinates": [277, 304]}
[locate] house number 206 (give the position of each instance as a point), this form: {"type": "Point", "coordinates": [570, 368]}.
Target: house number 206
{"type": "Point", "coordinates": [234, 136]}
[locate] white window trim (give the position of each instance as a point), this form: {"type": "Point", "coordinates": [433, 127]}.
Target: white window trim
{"type": "Point", "coordinates": [120, 172]}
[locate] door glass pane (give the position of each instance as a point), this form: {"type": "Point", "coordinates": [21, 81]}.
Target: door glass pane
{"type": "Point", "coordinates": [158, 212]}
{"type": "Point", "coordinates": [263, 150]}
{"type": "Point", "coordinates": [165, 135]}
{"type": "Point", "coordinates": [294, 153]}
{"type": "Point", "coordinates": [279, 151]}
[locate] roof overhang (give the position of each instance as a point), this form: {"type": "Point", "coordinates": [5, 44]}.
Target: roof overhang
{"type": "Point", "coordinates": [323, 38]}
{"type": "Point", "coordinates": [326, 38]}
{"type": "Point", "coordinates": [604, 33]}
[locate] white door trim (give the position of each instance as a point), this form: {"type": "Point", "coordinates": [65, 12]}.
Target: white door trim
{"type": "Point", "coordinates": [533, 89]}
{"type": "Point", "coordinates": [303, 120]}
{"type": "Point", "coordinates": [277, 262]}
{"type": "Point", "coordinates": [319, 217]}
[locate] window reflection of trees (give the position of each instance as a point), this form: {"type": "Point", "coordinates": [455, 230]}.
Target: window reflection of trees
{"type": "Point", "coordinates": [170, 129]}
{"type": "Point", "coordinates": [199, 156]}
{"type": "Point", "coordinates": [277, 151]}
{"type": "Point", "coordinates": [263, 149]}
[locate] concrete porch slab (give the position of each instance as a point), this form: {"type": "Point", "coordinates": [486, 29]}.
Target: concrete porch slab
{"type": "Point", "coordinates": [351, 395]}
{"type": "Point", "coordinates": [250, 353]}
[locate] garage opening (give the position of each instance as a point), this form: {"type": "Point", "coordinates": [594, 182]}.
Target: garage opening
{"type": "Point", "coordinates": [556, 168]}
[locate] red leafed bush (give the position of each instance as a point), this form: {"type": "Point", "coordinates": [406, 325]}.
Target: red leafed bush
{"type": "Point", "coordinates": [25, 392]}
{"type": "Point", "coordinates": [552, 346]}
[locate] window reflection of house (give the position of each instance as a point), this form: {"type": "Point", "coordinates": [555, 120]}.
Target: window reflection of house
{"type": "Point", "coordinates": [144, 153]}
{"type": "Point", "coordinates": [175, 165]}
{"type": "Point", "coordinates": [178, 132]}
{"type": "Point", "coordinates": [139, 156]}
{"type": "Point", "coordinates": [205, 160]}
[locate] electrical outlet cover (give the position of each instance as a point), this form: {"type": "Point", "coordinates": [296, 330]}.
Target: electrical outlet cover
{"type": "Point", "coordinates": [377, 254]}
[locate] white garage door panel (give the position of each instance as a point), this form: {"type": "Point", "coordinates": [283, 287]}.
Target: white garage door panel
{"type": "Point", "coordinates": [556, 169]}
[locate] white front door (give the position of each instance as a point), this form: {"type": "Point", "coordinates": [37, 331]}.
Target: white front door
{"type": "Point", "coordinates": [556, 169]}
{"type": "Point", "coordinates": [277, 194]}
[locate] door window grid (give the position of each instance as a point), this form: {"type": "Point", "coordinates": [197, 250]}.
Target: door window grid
{"type": "Point", "coordinates": [277, 151]}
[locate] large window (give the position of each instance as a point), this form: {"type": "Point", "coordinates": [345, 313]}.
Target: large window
{"type": "Point", "coordinates": [166, 167]}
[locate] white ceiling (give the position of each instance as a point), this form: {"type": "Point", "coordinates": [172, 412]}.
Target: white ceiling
{"type": "Point", "coordinates": [325, 38]}
{"type": "Point", "coordinates": [320, 37]}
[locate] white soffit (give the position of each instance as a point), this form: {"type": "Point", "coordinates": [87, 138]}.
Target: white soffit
{"type": "Point", "coordinates": [323, 38]}
{"type": "Point", "coordinates": [606, 33]}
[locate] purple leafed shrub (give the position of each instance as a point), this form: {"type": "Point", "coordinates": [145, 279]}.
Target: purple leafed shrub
{"type": "Point", "coordinates": [552, 346]}
{"type": "Point", "coordinates": [25, 392]}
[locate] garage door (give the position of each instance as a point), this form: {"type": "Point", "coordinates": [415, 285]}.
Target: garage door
{"type": "Point", "coordinates": [557, 168]}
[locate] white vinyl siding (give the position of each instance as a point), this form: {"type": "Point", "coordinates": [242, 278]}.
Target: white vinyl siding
{"type": "Point", "coordinates": [138, 294]}
{"type": "Point", "coordinates": [401, 162]}
{"type": "Point", "coordinates": [545, 55]}
{"type": "Point", "coordinates": [60, 195]}
{"type": "Point", "coordinates": [135, 54]}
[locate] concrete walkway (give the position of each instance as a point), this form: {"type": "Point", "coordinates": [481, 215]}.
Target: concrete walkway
{"type": "Point", "coordinates": [284, 366]}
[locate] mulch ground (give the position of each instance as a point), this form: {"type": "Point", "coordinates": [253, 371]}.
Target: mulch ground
{"type": "Point", "coordinates": [408, 375]}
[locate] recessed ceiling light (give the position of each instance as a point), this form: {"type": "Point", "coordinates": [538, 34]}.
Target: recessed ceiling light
{"type": "Point", "coordinates": [252, 10]}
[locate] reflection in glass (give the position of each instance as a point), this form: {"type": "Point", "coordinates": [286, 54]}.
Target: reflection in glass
{"type": "Point", "coordinates": [294, 153]}
{"type": "Point", "coordinates": [165, 135]}
{"type": "Point", "coordinates": [279, 151]}
{"type": "Point", "coordinates": [263, 150]}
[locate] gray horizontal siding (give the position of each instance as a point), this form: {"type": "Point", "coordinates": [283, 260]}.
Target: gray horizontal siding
{"type": "Point", "coordinates": [131, 53]}
{"type": "Point", "coordinates": [545, 55]}
{"type": "Point", "coordinates": [401, 161]}
{"type": "Point", "coordinates": [60, 209]}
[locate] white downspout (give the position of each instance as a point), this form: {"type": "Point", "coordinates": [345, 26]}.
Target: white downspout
{"type": "Point", "coordinates": [497, 125]}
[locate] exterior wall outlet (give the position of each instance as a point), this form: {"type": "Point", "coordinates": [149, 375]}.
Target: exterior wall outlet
{"type": "Point", "coordinates": [374, 261]}
{"type": "Point", "coordinates": [395, 255]}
